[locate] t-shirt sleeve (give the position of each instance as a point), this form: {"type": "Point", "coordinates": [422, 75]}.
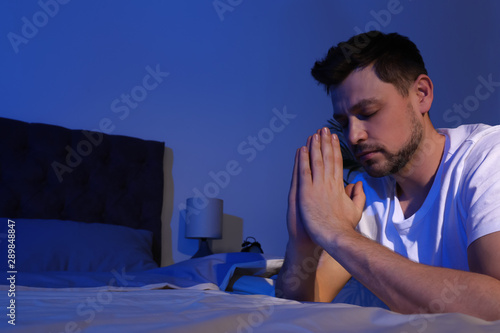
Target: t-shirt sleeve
{"type": "Point", "coordinates": [481, 187]}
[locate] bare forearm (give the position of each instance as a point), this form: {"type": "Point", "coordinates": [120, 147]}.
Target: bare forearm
{"type": "Point", "coordinates": [296, 279]}
{"type": "Point", "coordinates": [310, 274]}
{"type": "Point", "coordinates": [409, 287]}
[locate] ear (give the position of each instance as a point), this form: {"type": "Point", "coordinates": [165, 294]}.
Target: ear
{"type": "Point", "coordinates": [424, 90]}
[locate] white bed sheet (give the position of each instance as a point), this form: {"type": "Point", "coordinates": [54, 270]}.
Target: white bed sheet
{"type": "Point", "coordinates": [195, 300]}
{"type": "Point", "coordinates": [189, 310]}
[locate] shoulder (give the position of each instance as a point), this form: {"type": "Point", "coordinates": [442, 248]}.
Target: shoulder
{"type": "Point", "coordinates": [476, 152]}
{"type": "Point", "coordinates": [472, 158]}
{"type": "Point", "coordinates": [474, 138]}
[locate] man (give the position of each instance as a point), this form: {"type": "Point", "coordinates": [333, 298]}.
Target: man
{"type": "Point", "coordinates": [420, 227]}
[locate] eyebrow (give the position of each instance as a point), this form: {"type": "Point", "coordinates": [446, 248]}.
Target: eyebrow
{"type": "Point", "coordinates": [362, 104]}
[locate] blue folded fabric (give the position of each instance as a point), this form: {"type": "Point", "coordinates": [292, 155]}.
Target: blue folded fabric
{"type": "Point", "coordinates": [215, 269]}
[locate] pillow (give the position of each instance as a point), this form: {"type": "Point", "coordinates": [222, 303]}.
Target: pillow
{"type": "Point", "coordinates": [55, 245]}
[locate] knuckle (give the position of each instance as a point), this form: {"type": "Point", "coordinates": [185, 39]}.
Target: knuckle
{"type": "Point", "coordinates": [305, 172]}
{"type": "Point", "coordinates": [317, 163]}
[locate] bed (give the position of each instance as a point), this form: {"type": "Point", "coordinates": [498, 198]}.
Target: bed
{"type": "Point", "coordinates": [81, 246]}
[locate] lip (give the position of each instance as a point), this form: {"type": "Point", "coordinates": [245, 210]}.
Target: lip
{"type": "Point", "coordinates": [366, 155]}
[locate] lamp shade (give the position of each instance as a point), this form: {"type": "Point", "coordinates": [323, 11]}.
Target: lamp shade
{"type": "Point", "coordinates": [204, 220]}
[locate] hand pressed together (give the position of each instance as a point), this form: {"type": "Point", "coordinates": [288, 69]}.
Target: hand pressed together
{"type": "Point", "coordinates": [298, 236]}
{"type": "Point", "coordinates": [327, 209]}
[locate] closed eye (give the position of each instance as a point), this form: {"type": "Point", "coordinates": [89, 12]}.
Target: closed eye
{"type": "Point", "coordinates": [366, 115]}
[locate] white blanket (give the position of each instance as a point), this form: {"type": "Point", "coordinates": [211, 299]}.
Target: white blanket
{"type": "Point", "coordinates": [191, 297]}
{"type": "Point", "coordinates": [188, 310]}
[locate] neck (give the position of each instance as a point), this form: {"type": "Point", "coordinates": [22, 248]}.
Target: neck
{"type": "Point", "coordinates": [415, 180]}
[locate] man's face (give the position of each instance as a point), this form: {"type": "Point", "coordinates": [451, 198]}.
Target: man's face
{"type": "Point", "coordinates": [381, 126]}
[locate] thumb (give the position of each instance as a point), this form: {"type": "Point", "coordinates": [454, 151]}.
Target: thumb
{"type": "Point", "coordinates": [358, 196]}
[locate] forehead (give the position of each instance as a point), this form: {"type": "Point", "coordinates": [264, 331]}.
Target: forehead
{"type": "Point", "coordinates": [360, 88]}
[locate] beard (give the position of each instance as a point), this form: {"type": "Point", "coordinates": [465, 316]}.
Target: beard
{"type": "Point", "coordinates": [394, 162]}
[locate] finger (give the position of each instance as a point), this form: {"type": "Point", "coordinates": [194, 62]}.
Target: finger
{"type": "Point", "coordinates": [293, 186]}
{"type": "Point", "coordinates": [327, 152]}
{"type": "Point", "coordinates": [308, 145]}
{"type": "Point", "coordinates": [338, 171]}
{"type": "Point", "coordinates": [305, 174]}
{"type": "Point", "coordinates": [348, 190]}
{"type": "Point", "coordinates": [316, 158]}
{"type": "Point", "coordinates": [358, 195]}
{"type": "Point", "coordinates": [310, 138]}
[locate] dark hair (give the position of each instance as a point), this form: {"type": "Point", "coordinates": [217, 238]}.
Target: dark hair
{"type": "Point", "coordinates": [395, 58]}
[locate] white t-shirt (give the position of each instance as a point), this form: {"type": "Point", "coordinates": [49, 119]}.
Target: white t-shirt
{"type": "Point", "coordinates": [462, 205]}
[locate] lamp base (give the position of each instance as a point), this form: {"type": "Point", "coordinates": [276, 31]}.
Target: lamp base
{"type": "Point", "coordinates": [203, 250]}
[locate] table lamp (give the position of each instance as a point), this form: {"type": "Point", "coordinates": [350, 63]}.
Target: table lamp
{"type": "Point", "coordinates": [204, 221]}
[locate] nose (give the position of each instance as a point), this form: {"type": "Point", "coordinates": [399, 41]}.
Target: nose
{"type": "Point", "coordinates": [356, 132]}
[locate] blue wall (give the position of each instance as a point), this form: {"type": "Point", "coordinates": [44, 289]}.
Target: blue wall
{"type": "Point", "coordinates": [226, 73]}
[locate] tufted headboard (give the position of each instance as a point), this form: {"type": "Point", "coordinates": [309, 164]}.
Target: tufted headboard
{"type": "Point", "coordinates": [51, 172]}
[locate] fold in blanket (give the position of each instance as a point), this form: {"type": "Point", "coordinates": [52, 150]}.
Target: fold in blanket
{"type": "Point", "coordinates": [213, 272]}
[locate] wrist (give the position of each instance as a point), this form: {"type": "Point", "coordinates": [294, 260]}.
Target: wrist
{"type": "Point", "coordinates": [335, 237]}
{"type": "Point", "coordinates": [346, 240]}
{"type": "Point", "coordinates": [303, 249]}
